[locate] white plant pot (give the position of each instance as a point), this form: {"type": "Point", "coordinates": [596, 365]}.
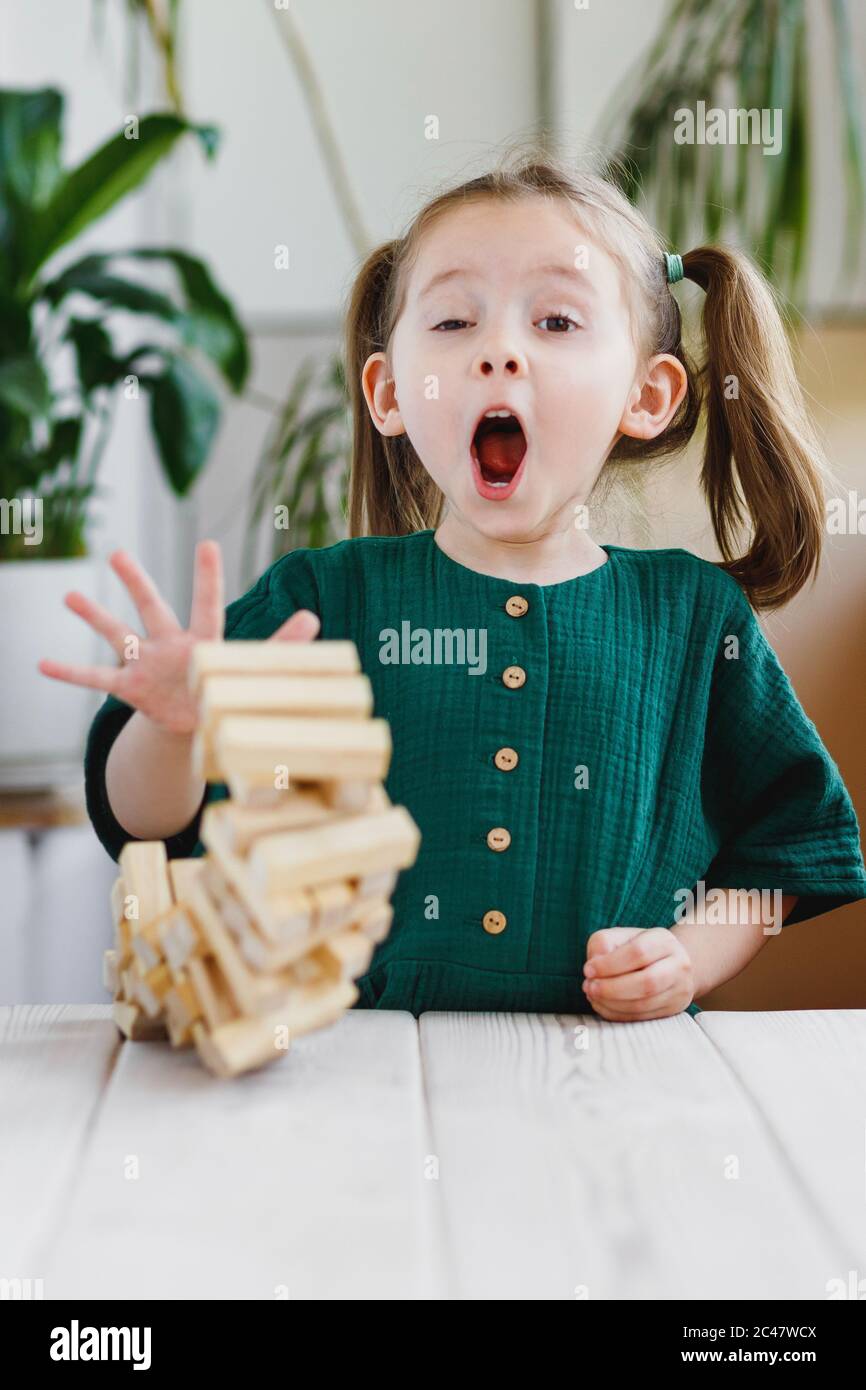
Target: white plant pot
{"type": "Point", "coordinates": [44, 722]}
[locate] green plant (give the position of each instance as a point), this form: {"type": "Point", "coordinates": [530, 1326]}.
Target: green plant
{"type": "Point", "coordinates": [737, 55]}
{"type": "Point", "coordinates": [53, 430]}
{"type": "Point", "coordinates": [301, 478]}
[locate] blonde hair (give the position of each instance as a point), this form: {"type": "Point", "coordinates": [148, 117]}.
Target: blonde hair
{"type": "Point", "coordinates": [760, 448]}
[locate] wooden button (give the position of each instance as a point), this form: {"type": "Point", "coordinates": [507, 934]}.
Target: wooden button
{"type": "Point", "coordinates": [505, 759]}
{"type": "Point", "coordinates": [494, 922]}
{"type": "Point", "coordinates": [516, 606]}
{"type": "Point", "coordinates": [499, 838]}
{"type": "Point", "coordinates": [514, 677]}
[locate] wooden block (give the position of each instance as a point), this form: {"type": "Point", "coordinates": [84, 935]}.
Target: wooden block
{"type": "Point", "coordinates": [118, 897]}
{"type": "Point", "coordinates": [134, 1023]}
{"type": "Point", "coordinates": [346, 955]}
{"type": "Point", "coordinates": [182, 873]}
{"type": "Point", "coordinates": [249, 1043]}
{"type": "Point", "coordinates": [110, 976]}
{"type": "Point", "coordinates": [245, 794]}
{"type": "Point", "coordinates": [179, 938]}
{"type": "Point", "coordinates": [255, 748]}
{"type": "Point", "coordinates": [346, 796]}
{"type": "Point", "coordinates": [350, 697]}
{"type": "Point", "coordinates": [356, 845]}
{"type": "Point", "coordinates": [279, 918]}
{"type": "Point", "coordinates": [146, 944]}
{"type": "Point", "coordinates": [145, 875]}
{"type": "Point", "coordinates": [241, 826]}
{"type": "Point", "coordinates": [251, 992]}
{"type": "Point", "coordinates": [182, 1009]}
{"type": "Point", "coordinates": [216, 1006]}
{"type": "Point", "coordinates": [245, 658]}
{"type": "Point", "coordinates": [378, 885]}
{"type": "Point", "coordinates": [374, 919]}
{"type": "Point", "coordinates": [152, 989]}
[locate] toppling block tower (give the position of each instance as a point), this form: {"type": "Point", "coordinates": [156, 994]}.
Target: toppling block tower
{"type": "Point", "coordinates": [262, 938]}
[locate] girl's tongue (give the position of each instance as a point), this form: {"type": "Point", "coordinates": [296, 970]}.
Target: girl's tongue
{"type": "Point", "coordinates": [500, 450]}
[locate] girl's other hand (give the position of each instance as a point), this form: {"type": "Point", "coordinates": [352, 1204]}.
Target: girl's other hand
{"type": "Point", "coordinates": [152, 670]}
{"type": "Point", "coordinates": [635, 973]}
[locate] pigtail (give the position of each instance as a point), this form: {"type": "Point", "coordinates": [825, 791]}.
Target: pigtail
{"type": "Point", "coordinates": [390, 491]}
{"type": "Point", "coordinates": [758, 433]}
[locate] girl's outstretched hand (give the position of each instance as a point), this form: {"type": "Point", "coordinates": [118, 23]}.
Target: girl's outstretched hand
{"type": "Point", "coordinates": [634, 973]}
{"type": "Point", "coordinates": [152, 670]}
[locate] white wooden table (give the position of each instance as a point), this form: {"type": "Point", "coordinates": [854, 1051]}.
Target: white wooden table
{"type": "Point", "coordinates": [455, 1156]}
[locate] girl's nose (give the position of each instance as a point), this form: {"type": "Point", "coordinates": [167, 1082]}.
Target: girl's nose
{"type": "Point", "coordinates": [508, 363]}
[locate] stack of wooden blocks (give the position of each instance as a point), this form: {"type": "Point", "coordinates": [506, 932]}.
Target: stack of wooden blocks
{"type": "Point", "coordinates": [261, 939]}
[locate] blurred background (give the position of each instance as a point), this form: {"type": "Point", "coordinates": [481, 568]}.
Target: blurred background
{"type": "Point", "coordinates": [186, 189]}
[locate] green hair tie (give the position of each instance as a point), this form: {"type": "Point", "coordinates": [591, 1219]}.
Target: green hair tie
{"type": "Point", "coordinates": [675, 269]}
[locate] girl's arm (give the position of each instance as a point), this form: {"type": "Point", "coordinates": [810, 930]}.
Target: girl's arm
{"type": "Point", "coordinates": [151, 786]}
{"type": "Point", "coordinates": [718, 952]}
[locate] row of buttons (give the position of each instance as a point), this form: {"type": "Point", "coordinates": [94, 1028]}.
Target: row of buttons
{"type": "Point", "coordinates": [506, 759]}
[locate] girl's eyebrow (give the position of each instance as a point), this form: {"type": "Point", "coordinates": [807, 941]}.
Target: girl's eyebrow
{"type": "Point", "coordinates": [577, 277]}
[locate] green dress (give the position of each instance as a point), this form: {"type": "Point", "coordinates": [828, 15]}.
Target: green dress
{"type": "Point", "coordinates": [576, 756]}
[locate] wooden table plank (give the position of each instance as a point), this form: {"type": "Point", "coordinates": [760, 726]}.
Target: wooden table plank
{"type": "Point", "coordinates": [593, 1164]}
{"type": "Point", "coordinates": [55, 1060]}
{"type": "Point", "coordinates": [303, 1180]}
{"type": "Point", "coordinates": [806, 1073]}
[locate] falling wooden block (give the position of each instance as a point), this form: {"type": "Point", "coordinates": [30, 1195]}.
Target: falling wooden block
{"type": "Point", "coordinates": [248, 1043]}
{"type": "Point", "coordinates": [280, 919]}
{"type": "Point", "coordinates": [118, 900]}
{"type": "Point", "coordinates": [357, 845]}
{"type": "Point", "coordinates": [258, 748]}
{"type": "Point", "coordinates": [346, 955]}
{"type": "Point", "coordinates": [251, 992]}
{"type": "Point", "coordinates": [182, 1009]}
{"type": "Point", "coordinates": [246, 658]}
{"type": "Point", "coordinates": [347, 796]}
{"type": "Point", "coordinates": [182, 874]}
{"type": "Point", "coordinates": [216, 1006]}
{"type": "Point", "coordinates": [240, 826]}
{"type": "Point", "coordinates": [134, 1023]}
{"type": "Point", "coordinates": [145, 876]}
{"type": "Point", "coordinates": [350, 697]}
{"type": "Point", "coordinates": [179, 938]}
{"type": "Point", "coordinates": [374, 919]}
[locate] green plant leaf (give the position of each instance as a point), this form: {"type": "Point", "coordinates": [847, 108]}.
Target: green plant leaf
{"type": "Point", "coordinates": [211, 323]}
{"type": "Point", "coordinates": [30, 135]}
{"type": "Point", "coordinates": [88, 192]}
{"type": "Point", "coordinates": [184, 412]}
{"type": "Point", "coordinates": [89, 277]}
{"type": "Point", "coordinates": [24, 386]}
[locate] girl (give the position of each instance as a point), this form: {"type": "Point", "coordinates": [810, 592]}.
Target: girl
{"type": "Point", "coordinates": [619, 794]}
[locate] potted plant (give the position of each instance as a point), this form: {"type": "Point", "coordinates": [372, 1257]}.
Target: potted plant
{"type": "Point", "coordinates": [61, 374]}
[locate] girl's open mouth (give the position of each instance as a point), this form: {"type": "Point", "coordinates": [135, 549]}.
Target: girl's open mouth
{"type": "Point", "coordinates": [498, 450]}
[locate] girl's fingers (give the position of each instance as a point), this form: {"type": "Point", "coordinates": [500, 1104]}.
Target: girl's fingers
{"type": "Point", "coordinates": [302, 626]}
{"type": "Point", "coordinates": [207, 613]}
{"type": "Point", "coordinates": [157, 616]}
{"type": "Point", "coordinates": [651, 944]}
{"type": "Point", "coordinates": [95, 677]}
{"type": "Point", "coordinates": [636, 985]}
{"type": "Point", "coordinates": [103, 622]}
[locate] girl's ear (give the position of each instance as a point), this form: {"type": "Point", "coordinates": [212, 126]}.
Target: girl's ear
{"type": "Point", "coordinates": [381, 396]}
{"type": "Point", "coordinates": [653, 402]}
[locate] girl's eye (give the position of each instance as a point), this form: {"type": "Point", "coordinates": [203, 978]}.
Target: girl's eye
{"type": "Point", "coordinates": [560, 318]}
{"type": "Point", "coordinates": [445, 322]}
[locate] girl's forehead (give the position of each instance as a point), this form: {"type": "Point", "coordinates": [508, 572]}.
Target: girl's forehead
{"type": "Point", "coordinates": [497, 241]}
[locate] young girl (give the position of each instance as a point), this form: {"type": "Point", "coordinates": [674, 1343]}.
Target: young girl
{"type": "Point", "coordinates": [591, 738]}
